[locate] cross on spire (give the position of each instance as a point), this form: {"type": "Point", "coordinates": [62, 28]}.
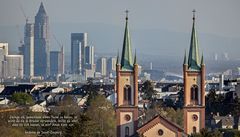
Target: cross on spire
{"type": "Point", "coordinates": [194, 11]}
{"type": "Point", "coordinates": [126, 14]}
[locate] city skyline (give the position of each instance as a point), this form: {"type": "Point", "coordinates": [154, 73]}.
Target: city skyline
{"type": "Point", "coordinates": [169, 25]}
{"type": "Point", "coordinates": [148, 75]}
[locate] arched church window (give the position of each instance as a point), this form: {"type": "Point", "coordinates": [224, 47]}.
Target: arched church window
{"type": "Point", "coordinates": [194, 93]}
{"type": "Point", "coordinates": [194, 129]}
{"type": "Point", "coordinates": [126, 131]}
{"type": "Point", "coordinates": [127, 94]}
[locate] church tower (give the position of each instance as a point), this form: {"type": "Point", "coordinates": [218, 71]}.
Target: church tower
{"type": "Point", "coordinates": [194, 92]}
{"type": "Point", "coordinates": [127, 89]}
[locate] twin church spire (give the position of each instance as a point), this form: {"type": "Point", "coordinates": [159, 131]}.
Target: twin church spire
{"type": "Point", "coordinates": [193, 57]}
{"type": "Point", "coordinates": [193, 62]}
{"type": "Point", "coordinates": [126, 58]}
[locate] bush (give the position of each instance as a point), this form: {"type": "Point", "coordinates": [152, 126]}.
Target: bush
{"type": "Point", "coordinates": [22, 98]}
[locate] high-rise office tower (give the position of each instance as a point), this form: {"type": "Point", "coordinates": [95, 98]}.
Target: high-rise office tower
{"type": "Point", "coordinates": [62, 63]}
{"type": "Point", "coordinates": [56, 63]}
{"type": "Point", "coordinates": [28, 50]}
{"type": "Point", "coordinates": [102, 66]}
{"type": "Point", "coordinates": [111, 65]}
{"type": "Point", "coordinates": [78, 44]}
{"type": "Point", "coordinates": [89, 67]}
{"type": "Point", "coordinates": [41, 43]}
{"type": "Point", "coordinates": [89, 55]}
{"type": "Point", "coordinates": [13, 66]}
{"type": "Point", "coordinates": [3, 52]}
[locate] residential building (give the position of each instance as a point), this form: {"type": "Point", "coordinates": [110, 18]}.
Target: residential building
{"type": "Point", "coordinates": [13, 66]}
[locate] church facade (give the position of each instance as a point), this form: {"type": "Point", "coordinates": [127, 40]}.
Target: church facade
{"type": "Point", "coordinates": [127, 95]}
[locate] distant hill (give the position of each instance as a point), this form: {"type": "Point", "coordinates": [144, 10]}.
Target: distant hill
{"type": "Point", "coordinates": [162, 45]}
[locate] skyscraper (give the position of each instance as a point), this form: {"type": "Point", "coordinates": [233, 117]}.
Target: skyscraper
{"type": "Point", "coordinates": [111, 65]}
{"type": "Point", "coordinates": [102, 66]}
{"type": "Point", "coordinates": [28, 50]}
{"type": "Point", "coordinates": [41, 43]}
{"type": "Point", "coordinates": [89, 55]}
{"type": "Point", "coordinates": [78, 44]}
{"type": "Point", "coordinates": [56, 63]}
{"type": "Point", "coordinates": [3, 52]}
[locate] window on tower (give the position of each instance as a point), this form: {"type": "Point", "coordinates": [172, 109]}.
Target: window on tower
{"type": "Point", "coordinates": [127, 94]}
{"type": "Point", "coordinates": [126, 131]}
{"type": "Point", "coordinates": [194, 129]}
{"type": "Point", "coordinates": [194, 94]}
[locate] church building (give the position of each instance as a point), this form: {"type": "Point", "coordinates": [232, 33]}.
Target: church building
{"type": "Point", "coordinates": [127, 95]}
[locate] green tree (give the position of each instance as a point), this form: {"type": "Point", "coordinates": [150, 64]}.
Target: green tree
{"type": "Point", "coordinates": [230, 132]}
{"type": "Point", "coordinates": [148, 90]}
{"type": "Point", "coordinates": [91, 90]}
{"type": "Point", "coordinates": [180, 102]}
{"type": "Point", "coordinates": [205, 133]}
{"type": "Point", "coordinates": [22, 98]}
{"type": "Point", "coordinates": [169, 103]}
{"type": "Point", "coordinates": [102, 112]}
{"type": "Point", "coordinates": [176, 116]}
{"type": "Point", "coordinates": [66, 106]}
{"type": "Point", "coordinates": [85, 127]}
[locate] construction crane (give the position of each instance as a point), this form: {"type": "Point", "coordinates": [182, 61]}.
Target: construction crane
{"type": "Point", "coordinates": [20, 40]}
{"type": "Point", "coordinates": [26, 18]}
{"type": "Point", "coordinates": [19, 33]}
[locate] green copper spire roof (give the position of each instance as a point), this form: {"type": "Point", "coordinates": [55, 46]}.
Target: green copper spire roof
{"type": "Point", "coordinates": [202, 60]}
{"type": "Point", "coordinates": [135, 58]}
{"type": "Point", "coordinates": [193, 58]}
{"type": "Point", "coordinates": [185, 58]}
{"type": "Point", "coordinates": [117, 62]}
{"type": "Point", "coordinates": [126, 60]}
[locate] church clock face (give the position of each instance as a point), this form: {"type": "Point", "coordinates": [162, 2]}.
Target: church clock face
{"type": "Point", "coordinates": [127, 117]}
{"type": "Point", "coordinates": [194, 117]}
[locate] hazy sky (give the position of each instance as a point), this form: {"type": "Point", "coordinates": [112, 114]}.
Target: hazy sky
{"type": "Point", "coordinates": [219, 17]}
{"type": "Point", "coordinates": [158, 27]}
